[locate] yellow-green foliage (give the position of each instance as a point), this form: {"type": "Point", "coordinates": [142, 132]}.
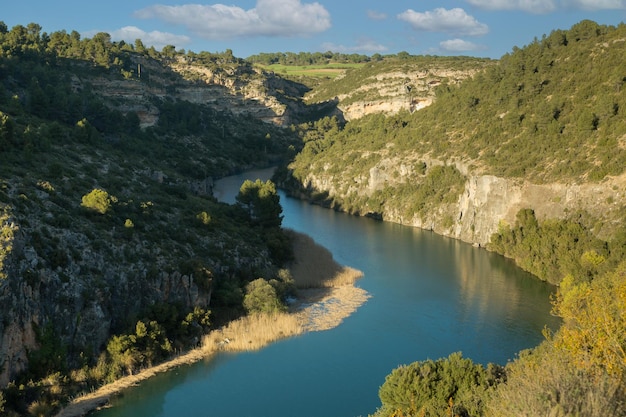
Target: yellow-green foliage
{"type": "Point", "coordinates": [580, 370]}
{"type": "Point", "coordinates": [6, 238]}
{"type": "Point", "coordinates": [545, 381]}
{"type": "Point", "coordinates": [594, 331]}
{"type": "Point", "coordinates": [204, 218]}
{"type": "Point", "coordinates": [98, 200]}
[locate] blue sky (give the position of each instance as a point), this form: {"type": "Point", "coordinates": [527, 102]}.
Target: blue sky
{"type": "Point", "coordinates": [487, 28]}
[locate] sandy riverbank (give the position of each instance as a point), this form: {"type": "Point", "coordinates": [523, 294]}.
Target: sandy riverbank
{"type": "Point", "coordinates": [326, 296]}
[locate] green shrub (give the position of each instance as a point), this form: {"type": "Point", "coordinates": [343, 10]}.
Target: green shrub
{"type": "Point", "coordinates": [553, 248]}
{"type": "Point", "coordinates": [448, 386]}
{"type": "Point", "coordinates": [261, 297]}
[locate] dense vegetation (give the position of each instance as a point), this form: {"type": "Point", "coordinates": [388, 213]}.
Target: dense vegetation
{"type": "Point", "coordinates": [554, 249]}
{"type": "Point", "coordinates": [453, 386]}
{"type": "Point", "coordinates": [349, 154]}
{"type": "Point", "coordinates": [551, 111]}
{"type": "Point", "coordinates": [94, 208]}
{"type": "Point", "coordinates": [306, 58]}
{"type": "Point", "coordinates": [99, 215]}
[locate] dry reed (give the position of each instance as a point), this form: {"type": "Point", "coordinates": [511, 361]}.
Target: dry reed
{"type": "Point", "coordinates": [253, 332]}
{"type": "Point", "coordinates": [314, 266]}
{"type": "Point", "coordinates": [327, 296]}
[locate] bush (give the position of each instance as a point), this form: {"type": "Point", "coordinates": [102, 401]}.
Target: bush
{"type": "Point", "coordinates": [553, 248]}
{"type": "Point", "coordinates": [450, 386]}
{"type": "Point", "coordinates": [261, 297]}
{"type": "Point", "coordinates": [204, 218]}
{"type": "Point", "coordinates": [545, 381]}
{"type": "Point", "coordinates": [98, 200]}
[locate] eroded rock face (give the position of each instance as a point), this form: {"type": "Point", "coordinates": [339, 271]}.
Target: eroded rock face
{"type": "Point", "coordinates": [410, 90]}
{"type": "Point", "coordinates": [16, 341]}
{"type": "Point", "coordinates": [82, 301]}
{"type": "Point", "coordinates": [486, 202]}
{"type": "Point", "coordinates": [249, 94]}
{"type": "Point", "coordinates": [16, 329]}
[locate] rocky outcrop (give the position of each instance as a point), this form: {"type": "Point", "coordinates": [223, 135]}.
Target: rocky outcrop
{"type": "Point", "coordinates": [241, 90]}
{"type": "Point", "coordinates": [79, 283]}
{"type": "Point", "coordinates": [81, 301]}
{"type": "Point", "coordinates": [487, 201]}
{"type": "Point", "coordinates": [390, 92]}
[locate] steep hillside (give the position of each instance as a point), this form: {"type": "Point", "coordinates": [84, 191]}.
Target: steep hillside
{"type": "Point", "coordinates": [113, 252]}
{"type": "Point", "coordinates": [110, 235]}
{"type": "Point", "coordinates": [532, 131]}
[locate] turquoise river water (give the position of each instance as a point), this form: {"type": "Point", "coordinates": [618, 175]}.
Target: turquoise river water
{"type": "Point", "coordinates": [430, 296]}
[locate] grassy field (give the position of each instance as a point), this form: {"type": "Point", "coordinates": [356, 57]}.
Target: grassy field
{"type": "Point", "coordinates": [318, 71]}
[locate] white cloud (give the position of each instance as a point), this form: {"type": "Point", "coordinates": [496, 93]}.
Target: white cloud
{"type": "Point", "coordinates": [596, 4]}
{"type": "Point", "coordinates": [531, 6]}
{"type": "Point", "coordinates": [454, 21]}
{"type": "Point", "coordinates": [374, 15]}
{"type": "Point", "coordinates": [459, 45]}
{"type": "Point", "coordinates": [155, 38]}
{"type": "Point", "coordinates": [269, 18]}
{"type": "Point", "coordinates": [363, 46]}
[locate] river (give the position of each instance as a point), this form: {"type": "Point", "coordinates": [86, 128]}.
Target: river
{"type": "Point", "coordinates": [430, 296]}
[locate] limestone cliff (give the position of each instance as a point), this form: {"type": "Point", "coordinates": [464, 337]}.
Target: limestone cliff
{"type": "Point", "coordinates": [390, 92]}
{"type": "Point", "coordinates": [394, 85]}
{"type": "Point", "coordinates": [485, 203]}
{"type": "Point", "coordinates": [80, 297]}
{"type": "Point", "coordinates": [240, 89]}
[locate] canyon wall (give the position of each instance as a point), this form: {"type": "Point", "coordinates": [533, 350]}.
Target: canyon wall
{"type": "Point", "coordinates": [486, 203]}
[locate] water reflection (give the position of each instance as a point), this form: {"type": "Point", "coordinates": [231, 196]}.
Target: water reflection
{"type": "Point", "coordinates": [494, 288]}
{"type": "Point", "coordinates": [431, 296]}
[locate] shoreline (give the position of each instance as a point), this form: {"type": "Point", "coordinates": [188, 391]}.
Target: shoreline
{"type": "Point", "coordinates": [323, 302]}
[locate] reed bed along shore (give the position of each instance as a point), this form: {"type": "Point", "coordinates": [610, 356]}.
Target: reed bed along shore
{"type": "Point", "coordinates": [252, 332]}
{"type": "Point", "coordinates": [314, 266]}
{"type": "Point", "coordinates": [326, 295]}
